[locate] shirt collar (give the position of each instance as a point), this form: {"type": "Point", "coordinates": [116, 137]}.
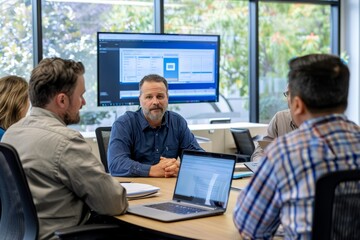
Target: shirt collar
{"type": "Point", "coordinates": [292, 125]}
{"type": "Point", "coordinates": [37, 111]}
{"type": "Point", "coordinates": [318, 120]}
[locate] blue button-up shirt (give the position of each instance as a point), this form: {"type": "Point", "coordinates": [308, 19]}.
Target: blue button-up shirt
{"type": "Point", "coordinates": [135, 146]}
{"type": "Point", "coordinates": [2, 131]}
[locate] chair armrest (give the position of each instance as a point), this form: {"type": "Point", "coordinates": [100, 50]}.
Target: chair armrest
{"type": "Point", "coordinates": [243, 158]}
{"type": "Point", "coordinates": [257, 138]}
{"type": "Point", "coordinates": [88, 231]}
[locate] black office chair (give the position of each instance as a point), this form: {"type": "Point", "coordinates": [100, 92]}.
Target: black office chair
{"type": "Point", "coordinates": [244, 143]}
{"type": "Point", "coordinates": [103, 137]}
{"type": "Point", "coordinates": [337, 206]}
{"type": "Point", "coordinates": [19, 217]}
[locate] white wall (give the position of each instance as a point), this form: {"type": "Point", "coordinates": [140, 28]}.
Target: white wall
{"type": "Point", "coordinates": [350, 28]}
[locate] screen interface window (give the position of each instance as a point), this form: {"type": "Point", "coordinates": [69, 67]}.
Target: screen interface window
{"type": "Point", "coordinates": [209, 180]}
{"type": "Point", "coordinates": [190, 64]}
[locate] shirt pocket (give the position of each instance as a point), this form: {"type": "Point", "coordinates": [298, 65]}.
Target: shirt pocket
{"type": "Point", "coordinates": [170, 151]}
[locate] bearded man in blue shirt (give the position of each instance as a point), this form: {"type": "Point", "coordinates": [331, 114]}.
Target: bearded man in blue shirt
{"type": "Point", "coordinates": [148, 142]}
{"type": "Point", "coordinates": [282, 190]}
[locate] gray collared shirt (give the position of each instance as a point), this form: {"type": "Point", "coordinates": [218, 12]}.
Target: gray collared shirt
{"type": "Point", "coordinates": [65, 178]}
{"type": "Point", "coordinates": [279, 125]}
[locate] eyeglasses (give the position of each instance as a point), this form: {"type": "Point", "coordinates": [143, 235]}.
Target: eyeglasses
{"type": "Point", "coordinates": [286, 94]}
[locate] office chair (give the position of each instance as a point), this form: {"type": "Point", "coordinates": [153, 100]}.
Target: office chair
{"type": "Point", "coordinates": [244, 143]}
{"type": "Point", "coordinates": [102, 137]}
{"type": "Point", "coordinates": [19, 217]}
{"type": "Point", "coordinates": [337, 206]}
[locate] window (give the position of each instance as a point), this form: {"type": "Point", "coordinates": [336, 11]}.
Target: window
{"type": "Point", "coordinates": [16, 41]}
{"type": "Point", "coordinates": [69, 31]}
{"type": "Point", "coordinates": [230, 20]}
{"type": "Point", "coordinates": [287, 30]}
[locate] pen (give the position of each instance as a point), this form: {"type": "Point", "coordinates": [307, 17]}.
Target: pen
{"type": "Point", "coordinates": [164, 152]}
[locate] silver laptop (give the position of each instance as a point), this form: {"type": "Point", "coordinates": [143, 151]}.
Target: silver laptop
{"type": "Point", "coordinates": [202, 188]}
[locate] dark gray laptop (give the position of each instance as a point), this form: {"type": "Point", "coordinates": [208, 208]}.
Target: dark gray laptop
{"type": "Point", "coordinates": [202, 188]}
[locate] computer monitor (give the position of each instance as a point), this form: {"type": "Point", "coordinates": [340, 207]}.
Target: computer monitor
{"type": "Point", "coordinates": [190, 64]}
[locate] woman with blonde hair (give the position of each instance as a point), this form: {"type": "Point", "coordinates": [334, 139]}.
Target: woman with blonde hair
{"type": "Point", "coordinates": [14, 101]}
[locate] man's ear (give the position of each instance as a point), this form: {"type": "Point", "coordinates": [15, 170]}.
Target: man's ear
{"type": "Point", "coordinates": [62, 100]}
{"type": "Point", "coordinates": [298, 106]}
{"type": "Point", "coordinates": [299, 110]}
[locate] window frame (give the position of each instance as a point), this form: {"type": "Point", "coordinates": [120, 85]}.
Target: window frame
{"type": "Point", "coordinates": [253, 39]}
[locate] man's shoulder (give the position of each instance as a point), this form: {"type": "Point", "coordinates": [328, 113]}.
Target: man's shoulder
{"type": "Point", "coordinates": [283, 113]}
{"type": "Point", "coordinates": [176, 121]}
{"type": "Point", "coordinates": [42, 130]}
{"type": "Point", "coordinates": [129, 115]}
{"type": "Point", "coordinates": [65, 131]}
{"type": "Point", "coordinates": [174, 115]}
{"type": "Point", "coordinates": [282, 118]}
{"type": "Point", "coordinates": [131, 119]}
{"type": "Point", "coordinates": [48, 124]}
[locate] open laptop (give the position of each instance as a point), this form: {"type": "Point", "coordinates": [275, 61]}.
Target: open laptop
{"type": "Point", "coordinates": [202, 188]}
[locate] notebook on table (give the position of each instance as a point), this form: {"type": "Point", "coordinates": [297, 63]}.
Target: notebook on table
{"type": "Point", "coordinates": [202, 189]}
{"type": "Point", "coordinates": [252, 166]}
{"type": "Point", "coordinates": [139, 190]}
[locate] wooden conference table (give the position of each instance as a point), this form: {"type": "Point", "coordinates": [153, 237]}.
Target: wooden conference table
{"type": "Point", "coordinates": [215, 227]}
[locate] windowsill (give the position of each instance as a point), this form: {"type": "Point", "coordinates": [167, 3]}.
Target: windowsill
{"type": "Point", "coordinates": [204, 126]}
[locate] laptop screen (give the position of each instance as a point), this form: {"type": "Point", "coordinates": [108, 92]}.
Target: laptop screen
{"type": "Point", "coordinates": [205, 178]}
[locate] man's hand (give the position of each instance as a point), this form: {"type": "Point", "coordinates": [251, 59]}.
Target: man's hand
{"type": "Point", "coordinates": [172, 167]}
{"type": "Point", "coordinates": [167, 167]}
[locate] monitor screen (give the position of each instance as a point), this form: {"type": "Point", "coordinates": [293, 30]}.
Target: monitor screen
{"type": "Point", "coordinates": [190, 64]}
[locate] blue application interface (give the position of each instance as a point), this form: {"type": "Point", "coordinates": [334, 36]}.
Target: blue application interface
{"type": "Point", "coordinates": [205, 180]}
{"type": "Point", "coordinates": [190, 64]}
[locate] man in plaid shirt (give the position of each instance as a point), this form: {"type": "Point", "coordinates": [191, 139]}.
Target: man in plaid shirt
{"type": "Point", "coordinates": [282, 189]}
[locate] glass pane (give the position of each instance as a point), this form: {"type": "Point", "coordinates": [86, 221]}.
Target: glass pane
{"type": "Point", "coordinates": [229, 19]}
{"type": "Point", "coordinates": [287, 31]}
{"type": "Point", "coordinates": [69, 31]}
{"type": "Point", "coordinates": [16, 39]}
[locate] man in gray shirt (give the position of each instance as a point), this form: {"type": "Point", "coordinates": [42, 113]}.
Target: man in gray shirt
{"type": "Point", "coordinates": [279, 125]}
{"type": "Point", "coordinates": [66, 180]}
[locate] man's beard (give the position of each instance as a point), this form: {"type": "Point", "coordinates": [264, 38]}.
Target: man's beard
{"type": "Point", "coordinates": [68, 120]}
{"type": "Point", "coordinates": [155, 117]}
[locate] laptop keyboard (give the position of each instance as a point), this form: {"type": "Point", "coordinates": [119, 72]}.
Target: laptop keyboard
{"type": "Point", "coordinates": [175, 208]}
